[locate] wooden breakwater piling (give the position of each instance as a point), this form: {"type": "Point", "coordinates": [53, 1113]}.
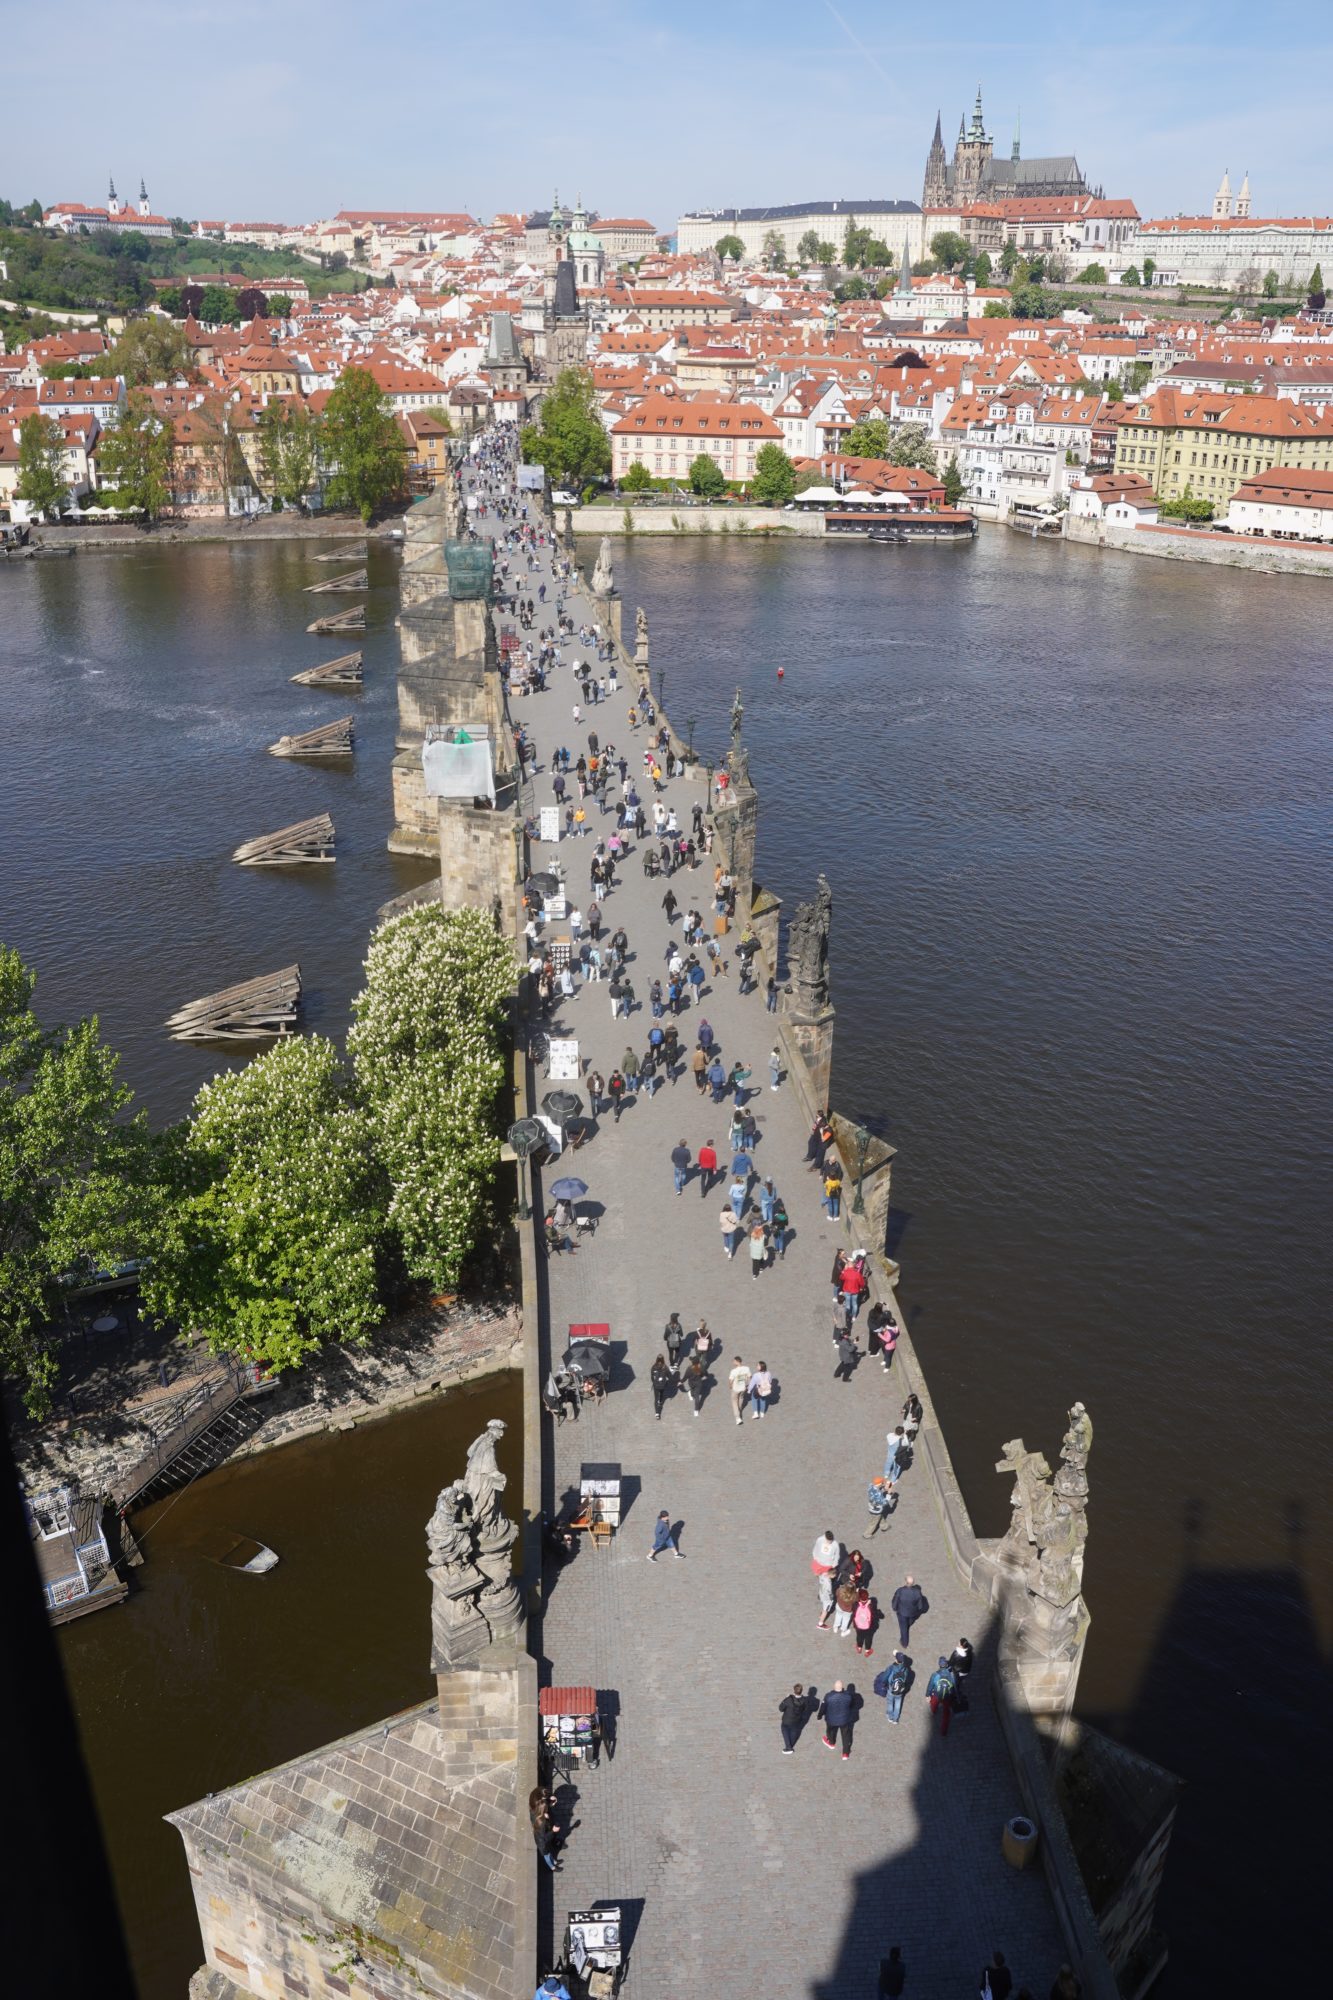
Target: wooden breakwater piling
{"type": "Point", "coordinates": [331, 739]}
{"type": "Point", "coordinates": [253, 1011]}
{"type": "Point", "coordinates": [352, 579]}
{"type": "Point", "coordinates": [345, 671]}
{"type": "Point", "coordinates": [351, 620]}
{"type": "Point", "coordinates": [306, 840]}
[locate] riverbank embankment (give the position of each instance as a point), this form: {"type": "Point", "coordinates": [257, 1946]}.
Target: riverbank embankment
{"type": "Point", "coordinates": [685, 519]}
{"type": "Point", "coordinates": [70, 539]}
{"type": "Point", "coordinates": [1201, 545]}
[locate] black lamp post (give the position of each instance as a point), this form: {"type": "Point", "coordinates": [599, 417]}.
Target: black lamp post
{"type": "Point", "coordinates": [661, 689]}
{"type": "Point", "coordinates": [862, 1138]}
{"type": "Point", "coordinates": [690, 721]}
{"type": "Point", "coordinates": [525, 1135]}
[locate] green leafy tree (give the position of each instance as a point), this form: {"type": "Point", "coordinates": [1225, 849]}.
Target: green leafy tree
{"type": "Point", "coordinates": [953, 482]}
{"type": "Point", "coordinates": [218, 307]}
{"type": "Point", "coordinates": [1009, 257]}
{"type": "Point", "coordinates": [169, 301]}
{"type": "Point", "coordinates": [854, 242]}
{"type": "Point", "coordinates": [81, 1186]}
{"type": "Point", "coordinates": [151, 350]}
{"type": "Point", "coordinates": [877, 253]}
{"type": "Point", "coordinates": [1092, 274]}
{"type": "Point", "coordinates": [774, 479]}
{"type": "Point", "coordinates": [996, 309]}
{"type": "Point", "coordinates": [280, 305]}
{"type": "Point", "coordinates": [982, 268]}
{"type": "Point", "coordinates": [428, 1045]}
{"type": "Point", "coordinates": [135, 456]}
{"type": "Point", "coordinates": [706, 477]}
{"type": "Point", "coordinates": [278, 1212]}
{"type": "Point", "coordinates": [807, 250]}
{"type": "Point", "coordinates": [41, 458]}
{"type": "Point", "coordinates": [570, 440]}
{"type": "Point", "coordinates": [826, 253]}
{"type": "Point", "coordinates": [338, 259]}
{"type": "Point", "coordinates": [1271, 282]}
{"type": "Point", "coordinates": [637, 479]}
{"type": "Point", "coordinates": [774, 247]}
{"type": "Point", "coordinates": [911, 445]}
{"type": "Point", "coordinates": [1131, 276]}
{"type": "Point", "coordinates": [134, 244]}
{"type": "Point", "coordinates": [289, 440]}
{"type": "Point", "coordinates": [1317, 295]}
{"type": "Point", "coordinates": [868, 439]}
{"type": "Point", "coordinates": [809, 476]}
{"type": "Point", "coordinates": [1149, 267]}
{"type": "Point", "coordinates": [1186, 508]}
{"type": "Point", "coordinates": [853, 288]}
{"type": "Point", "coordinates": [730, 246]}
{"type": "Point", "coordinates": [1033, 302]}
{"type": "Point", "coordinates": [949, 249]}
{"type": "Point", "coordinates": [363, 446]}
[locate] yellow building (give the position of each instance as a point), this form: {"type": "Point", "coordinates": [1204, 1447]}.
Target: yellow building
{"type": "Point", "coordinates": [1211, 443]}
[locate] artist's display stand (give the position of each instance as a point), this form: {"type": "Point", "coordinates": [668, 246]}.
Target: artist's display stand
{"type": "Point", "coordinates": [599, 1503]}
{"type": "Point", "coordinates": [595, 1952]}
{"type": "Point", "coordinates": [571, 1732]}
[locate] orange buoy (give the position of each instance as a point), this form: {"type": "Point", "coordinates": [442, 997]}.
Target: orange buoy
{"type": "Point", "coordinates": [781, 672]}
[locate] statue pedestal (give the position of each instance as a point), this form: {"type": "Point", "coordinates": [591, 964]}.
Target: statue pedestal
{"type": "Point", "coordinates": [459, 1634]}
{"type": "Point", "coordinates": [812, 1034]}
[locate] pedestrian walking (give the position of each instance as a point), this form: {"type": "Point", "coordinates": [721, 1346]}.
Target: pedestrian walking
{"type": "Point", "coordinates": [781, 1227]}
{"type": "Point", "coordinates": [680, 1165]}
{"type": "Point", "coordinates": [615, 1090]}
{"type": "Point", "coordinates": [717, 1080]}
{"type": "Point", "coordinates": [832, 1202]}
{"type": "Point", "coordinates": [837, 1712]}
{"type": "Point", "coordinates": [674, 1338]}
{"type": "Point", "coordinates": [663, 1539]}
{"type": "Point", "coordinates": [738, 1193]}
{"type": "Point", "coordinates": [731, 1229]}
{"type": "Point", "coordinates": [897, 1445]}
{"type": "Point", "coordinates": [761, 1389]}
{"type": "Point", "coordinates": [670, 905]}
{"type": "Point", "coordinates": [863, 1623]}
{"type": "Point", "coordinates": [699, 1064]}
{"type": "Point", "coordinates": [794, 1711]}
{"type": "Point", "coordinates": [881, 1501]}
{"type": "Point", "coordinates": [617, 993]}
{"type": "Point", "coordinates": [629, 1067]}
{"type": "Point", "coordinates": [940, 1692]}
{"type": "Point", "coordinates": [708, 1167]}
{"type": "Point", "coordinates": [892, 1684]}
{"type": "Point", "coordinates": [909, 1603]}
{"type": "Point", "coordinates": [848, 1356]}
{"type": "Point", "coordinates": [996, 1981]}
{"type": "Point", "coordinates": [737, 1082]}
{"type": "Point", "coordinates": [912, 1414]}
{"type": "Point", "coordinates": [771, 995]}
{"type": "Point", "coordinates": [844, 1604]}
{"type": "Point", "coordinates": [663, 1382]}
{"type": "Point", "coordinates": [961, 1661]}
{"type": "Point", "coordinates": [596, 1091]}
{"type": "Point", "coordinates": [854, 1284]}
{"type": "Point", "coordinates": [774, 1067]}
{"type": "Point", "coordinates": [738, 1388]}
{"type": "Point", "coordinates": [758, 1249]}
{"type": "Point", "coordinates": [892, 1975]}
{"type": "Point", "coordinates": [697, 1380]}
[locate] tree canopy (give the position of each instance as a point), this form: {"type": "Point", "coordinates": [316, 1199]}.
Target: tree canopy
{"type": "Point", "coordinates": [41, 458]}
{"type": "Point", "coordinates": [868, 439]}
{"type": "Point", "coordinates": [774, 479]}
{"type": "Point", "coordinates": [949, 249]}
{"type": "Point", "coordinates": [911, 445]}
{"type": "Point", "coordinates": [730, 246]}
{"type": "Point", "coordinates": [637, 478]}
{"type": "Point", "coordinates": [364, 448]}
{"type": "Point", "coordinates": [289, 438]}
{"type": "Point", "coordinates": [807, 250]}
{"type": "Point", "coordinates": [135, 455]}
{"type": "Point", "coordinates": [150, 350]}
{"type": "Point", "coordinates": [1092, 274]}
{"type": "Point", "coordinates": [428, 1050]}
{"type": "Point", "coordinates": [570, 440]}
{"type": "Point", "coordinates": [269, 1246]}
{"type": "Point", "coordinates": [953, 482]}
{"type": "Point", "coordinates": [981, 268]}
{"type": "Point", "coordinates": [81, 1187]}
{"type": "Point", "coordinates": [706, 477]}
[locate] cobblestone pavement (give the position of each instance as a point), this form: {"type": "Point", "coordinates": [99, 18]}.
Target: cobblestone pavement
{"type": "Point", "coordinates": [743, 1871]}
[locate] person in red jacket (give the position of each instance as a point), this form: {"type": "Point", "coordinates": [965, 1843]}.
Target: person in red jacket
{"type": "Point", "coordinates": [707, 1166]}
{"type": "Point", "coordinates": [853, 1284]}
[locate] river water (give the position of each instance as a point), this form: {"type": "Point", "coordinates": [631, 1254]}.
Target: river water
{"type": "Point", "coordinates": [1074, 810]}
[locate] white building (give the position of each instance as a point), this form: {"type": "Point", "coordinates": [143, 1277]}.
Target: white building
{"type": "Point", "coordinates": [1290, 505]}
{"type": "Point", "coordinates": [116, 219]}
{"type": "Point", "coordinates": [1232, 248]}
{"type": "Point", "coordinates": [899, 224]}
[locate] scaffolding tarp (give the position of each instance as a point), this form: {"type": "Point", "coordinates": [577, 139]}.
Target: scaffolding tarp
{"type": "Point", "coordinates": [459, 770]}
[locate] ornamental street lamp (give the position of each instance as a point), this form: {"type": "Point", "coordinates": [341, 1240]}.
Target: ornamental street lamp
{"type": "Point", "coordinates": [862, 1138]}
{"type": "Point", "coordinates": [690, 721]}
{"type": "Point", "coordinates": [661, 689]}
{"type": "Point", "coordinates": [525, 1136]}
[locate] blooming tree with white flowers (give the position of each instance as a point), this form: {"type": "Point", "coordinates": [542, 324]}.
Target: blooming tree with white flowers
{"type": "Point", "coordinates": [429, 1048]}
{"type": "Point", "coordinates": [271, 1246]}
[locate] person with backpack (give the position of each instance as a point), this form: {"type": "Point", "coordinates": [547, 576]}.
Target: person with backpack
{"type": "Point", "coordinates": [940, 1691]}
{"type": "Point", "coordinates": [781, 1227]}
{"type": "Point", "coordinates": [663, 1382]}
{"type": "Point", "coordinates": [863, 1623]}
{"type": "Point", "coordinates": [892, 1685]}
{"type": "Point", "coordinates": [673, 1339]}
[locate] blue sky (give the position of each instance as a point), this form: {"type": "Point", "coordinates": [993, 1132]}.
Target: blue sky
{"type": "Point", "coordinates": [283, 110]}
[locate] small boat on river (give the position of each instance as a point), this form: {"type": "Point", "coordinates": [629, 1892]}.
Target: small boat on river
{"type": "Point", "coordinates": [240, 1552]}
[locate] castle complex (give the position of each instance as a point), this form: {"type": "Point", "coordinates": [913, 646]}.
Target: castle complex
{"type": "Point", "coordinates": [976, 175]}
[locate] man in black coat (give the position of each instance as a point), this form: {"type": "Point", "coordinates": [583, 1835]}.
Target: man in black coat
{"type": "Point", "coordinates": [909, 1603]}
{"type": "Point", "coordinates": [837, 1712]}
{"type": "Point", "coordinates": [794, 1710]}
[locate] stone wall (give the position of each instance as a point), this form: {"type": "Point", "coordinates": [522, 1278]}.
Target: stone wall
{"type": "Point", "coordinates": [682, 520]}
{"type": "Point", "coordinates": [1199, 546]}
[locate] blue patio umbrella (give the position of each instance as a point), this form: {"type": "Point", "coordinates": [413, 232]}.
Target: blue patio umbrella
{"type": "Point", "coordinates": [568, 1188]}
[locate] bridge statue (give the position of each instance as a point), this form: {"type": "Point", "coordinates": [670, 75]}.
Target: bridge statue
{"type": "Point", "coordinates": [603, 576]}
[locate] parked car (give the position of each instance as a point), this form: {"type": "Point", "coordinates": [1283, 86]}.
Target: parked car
{"type": "Point", "coordinates": [563, 497]}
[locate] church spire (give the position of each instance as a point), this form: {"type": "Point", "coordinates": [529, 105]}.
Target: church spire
{"type": "Point", "coordinates": [978, 122]}
{"type": "Point", "coordinates": [1018, 123]}
{"type": "Point", "coordinates": [1222, 199]}
{"type": "Point", "coordinates": [1243, 199]}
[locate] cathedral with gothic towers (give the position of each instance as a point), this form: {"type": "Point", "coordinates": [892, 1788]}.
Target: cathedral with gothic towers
{"type": "Point", "coordinates": [975, 175]}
